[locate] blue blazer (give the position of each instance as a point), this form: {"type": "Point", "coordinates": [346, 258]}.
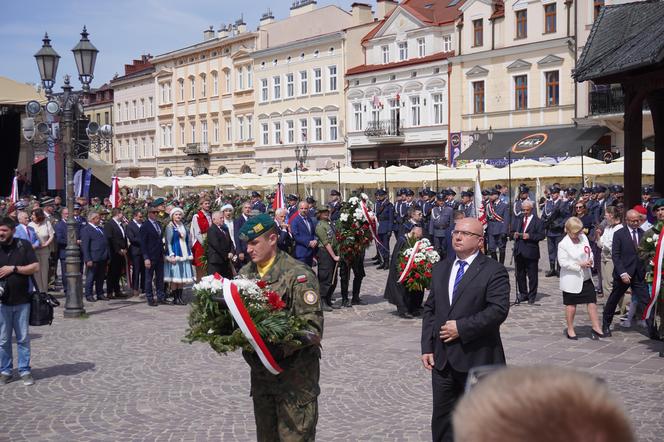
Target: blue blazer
{"type": "Point", "coordinates": [385, 214]}
{"type": "Point", "coordinates": [94, 244]}
{"type": "Point", "coordinates": [624, 255]}
{"type": "Point", "coordinates": [61, 237]}
{"type": "Point", "coordinates": [302, 236]}
{"type": "Point", "coordinates": [151, 243]}
{"type": "Point", "coordinates": [528, 248]}
{"type": "Point", "coordinates": [22, 234]}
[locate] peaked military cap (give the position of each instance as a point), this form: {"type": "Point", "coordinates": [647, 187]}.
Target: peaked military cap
{"type": "Point", "coordinates": [409, 192]}
{"type": "Point", "coordinates": [380, 192]}
{"type": "Point", "coordinates": [495, 192]}
{"type": "Point", "coordinates": [587, 190]}
{"type": "Point", "coordinates": [255, 194]}
{"type": "Point", "coordinates": [292, 197]}
{"type": "Point", "coordinates": [335, 192]}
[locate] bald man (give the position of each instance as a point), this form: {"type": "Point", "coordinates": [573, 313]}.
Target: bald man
{"type": "Point", "coordinates": [468, 302]}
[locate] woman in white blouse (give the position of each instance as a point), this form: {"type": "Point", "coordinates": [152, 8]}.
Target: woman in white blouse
{"type": "Point", "coordinates": [575, 258]}
{"type": "Point", "coordinates": [46, 234]}
{"type": "Point", "coordinates": [605, 241]}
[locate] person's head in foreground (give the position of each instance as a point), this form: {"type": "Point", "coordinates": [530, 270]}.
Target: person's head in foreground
{"type": "Point", "coordinates": [543, 404]}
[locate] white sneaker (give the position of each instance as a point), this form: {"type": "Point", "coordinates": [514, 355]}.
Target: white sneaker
{"type": "Point", "coordinates": [625, 323]}
{"type": "Point", "coordinates": [27, 379]}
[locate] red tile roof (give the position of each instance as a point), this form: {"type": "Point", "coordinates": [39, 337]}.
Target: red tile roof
{"type": "Point", "coordinates": [498, 9]}
{"type": "Point", "coordinates": [380, 67]}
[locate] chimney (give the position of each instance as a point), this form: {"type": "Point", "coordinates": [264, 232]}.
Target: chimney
{"type": "Point", "coordinates": [241, 25]}
{"type": "Point", "coordinates": [267, 18]}
{"type": "Point", "coordinates": [208, 34]}
{"type": "Point", "coordinates": [302, 6]}
{"type": "Point", "coordinates": [384, 7]}
{"type": "Point", "coordinates": [361, 13]}
{"type": "Point", "coordinates": [223, 32]}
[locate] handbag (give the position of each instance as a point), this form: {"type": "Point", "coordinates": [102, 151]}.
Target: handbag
{"type": "Point", "coordinates": [41, 307]}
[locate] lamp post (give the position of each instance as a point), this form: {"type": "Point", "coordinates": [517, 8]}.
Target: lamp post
{"type": "Point", "coordinates": [301, 154]}
{"type": "Point", "coordinates": [68, 107]}
{"type": "Point", "coordinates": [477, 136]}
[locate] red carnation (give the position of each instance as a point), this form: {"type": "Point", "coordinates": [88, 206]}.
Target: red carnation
{"type": "Point", "coordinates": [275, 301]}
{"type": "Point", "coordinates": [217, 276]}
{"type": "Point", "coordinates": [417, 276]}
{"type": "Point", "coordinates": [427, 275]}
{"type": "Point", "coordinates": [403, 266]}
{"type": "Point", "coordinates": [261, 284]}
{"type": "Point", "coordinates": [429, 265]}
{"type": "Point", "coordinates": [411, 280]}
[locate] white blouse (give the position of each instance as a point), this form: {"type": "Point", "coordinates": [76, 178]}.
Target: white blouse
{"type": "Point", "coordinates": [606, 240]}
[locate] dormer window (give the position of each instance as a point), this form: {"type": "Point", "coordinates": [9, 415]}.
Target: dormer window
{"type": "Point", "coordinates": [386, 53]}
{"type": "Point", "coordinates": [478, 32]}
{"type": "Point", "coordinates": [403, 51]}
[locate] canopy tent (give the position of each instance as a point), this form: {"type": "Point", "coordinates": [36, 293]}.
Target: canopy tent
{"type": "Point", "coordinates": [100, 169]}
{"type": "Point", "coordinates": [13, 92]}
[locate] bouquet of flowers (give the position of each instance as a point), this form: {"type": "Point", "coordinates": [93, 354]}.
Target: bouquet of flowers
{"type": "Point", "coordinates": [212, 321]}
{"type": "Point", "coordinates": [649, 249]}
{"type": "Point", "coordinates": [353, 232]}
{"type": "Point", "coordinates": [416, 263]}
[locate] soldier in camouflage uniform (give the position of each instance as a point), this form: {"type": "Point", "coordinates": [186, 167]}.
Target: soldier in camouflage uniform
{"type": "Point", "coordinates": [285, 405]}
{"type": "Point", "coordinates": [647, 256]}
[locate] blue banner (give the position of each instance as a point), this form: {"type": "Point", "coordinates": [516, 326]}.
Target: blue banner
{"type": "Point", "coordinates": [86, 186]}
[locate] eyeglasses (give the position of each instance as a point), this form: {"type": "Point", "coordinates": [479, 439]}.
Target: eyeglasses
{"type": "Point", "coordinates": [465, 234]}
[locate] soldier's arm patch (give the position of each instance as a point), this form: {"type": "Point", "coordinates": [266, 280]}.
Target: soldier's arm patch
{"type": "Point", "coordinates": [310, 297]}
{"type": "Point", "coordinates": [302, 279]}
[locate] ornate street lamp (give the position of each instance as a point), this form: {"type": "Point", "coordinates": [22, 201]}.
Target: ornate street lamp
{"type": "Point", "coordinates": [85, 55]}
{"type": "Point", "coordinates": [301, 154]}
{"type": "Point", "coordinates": [47, 62]}
{"type": "Point", "coordinates": [477, 135]}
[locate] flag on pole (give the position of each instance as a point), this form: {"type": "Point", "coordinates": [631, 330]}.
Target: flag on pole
{"type": "Point", "coordinates": [14, 195]}
{"type": "Point", "coordinates": [479, 206]}
{"type": "Point", "coordinates": [279, 202]}
{"type": "Point", "coordinates": [115, 192]}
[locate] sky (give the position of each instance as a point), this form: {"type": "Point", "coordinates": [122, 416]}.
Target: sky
{"type": "Point", "coordinates": [121, 29]}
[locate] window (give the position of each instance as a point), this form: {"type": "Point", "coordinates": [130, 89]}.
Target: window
{"type": "Point", "coordinates": [227, 77]}
{"type": "Point", "coordinates": [415, 110]}
{"type": "Point", "coordinates": [447, 43]}
{"type": "Point", "coordinates": [264, 134]}
{"type": "Point", "coordinates": [290, 132]}
{"type": "Point", "coordinates": [318, 129]}
{"type": "Point", "coordinates": [597, 7]}
{"type": "Point", "coordinates": [290, 88]}
{"type": "Point", "coordinates": [240, 128]}
{"type": "Point", "coordinates": [215, 131]}
{"type": "Point", "coordinates": [357, 115]}
{"type": "Point", "coordinates": [204, 132]}
{"type": "Point", "coordinates": [182, 135]}
{"type": "Point", "coordinates": [250, 77]}
{"type": "Point", "coordinates": [520, 92]}
{"type": "Point", "coordinates": [550, 18]}
{"type": "Point", "coordinates": [264, 91]}
{"type": "Point", "coordinates": [333, 128]}
{"type": "Point", "coordinates": [421, 47]}
{"type": "Point", "coordinates": [151, 154]}
{"type": "Point", "coordinates": [250, 127]}
{"type": "Point", "coordinates": [118, 115]}
{"type": "Point", "coordinates": [332, 78]}
{"type": "Point", "coordinates": [203, 85]}
{"type": "Point", "coordinates": [192, 86]}
{"type": "Point", "coordinates": [215, 84]}
{"type": "Point", "coordinates": [141, 109]}
{"type": "Point", "coordinates": [181, 89]}
{"type": "Point", "coordinates": [193, 131]}
{"type": "Point", "coordinates": [134, 110]}
{"type": "Point", "coordinates": [478, 97]}
{"type": "Point", "coordinates": [552, 88]}
{"type": "Point", "coordinates": [151, 107]}
{"type": "Point", "coordinates": [437, 108]}
{"type": "Point", "coordinates": [403, 50]}
{"type": "Point", "coordinates": [277, 132]}
{"type": "Point", "coordinates": [276, 83]}
{"type": "Point", "coordinates": [106, 118]}
{"type": "Point", "coordinates": [229, 130]}
{"type": "Point", "coordinates": [522, 24]}
{"type": "Point", "coordinates": [126, 108]}
{"type": "Point", "coordinates": [386, 54]}
{"type": "Point", "coordinates": [240, 78]}
{"type": "Point", "coordinates": [303, 83]}
{"type": "Point", "coordinates": [303, 130]}
{"type": "Point", "coordinates": [318, 81]}
{"type": "Point", "coordinates": [478, 32]}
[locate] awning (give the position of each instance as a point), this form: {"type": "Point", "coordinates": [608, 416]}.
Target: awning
{"type": "Point", "coordinates": [13, 92]}
{"type": "Point", "coordinates": [536, 143]}
{"type": "Point", "coordinates": [102, 170]}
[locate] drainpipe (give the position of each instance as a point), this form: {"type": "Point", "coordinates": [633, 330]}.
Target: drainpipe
{"type": "Point", "coordinates": [576, 57]}
{"type": "Point", "coordinates": [449, 122]}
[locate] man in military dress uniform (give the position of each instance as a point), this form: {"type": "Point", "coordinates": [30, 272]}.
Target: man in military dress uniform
{"type": "Point", "coordinates": [385, 215]}
{"type": "Point", "coordinates": [256, 203]}
{"type": "Point", "coordinates": [285, 405]}
{"type": "Point", "coordinates": [427, 204]}
{"type": "Point", "coordinates": [327, 258]}
{"type": "Point", "coordinates": [441, 221]}
{"type": "Point", "coordinates": [497, 227]}
{"type": "Point", "coordinates": [397, 211]}
{"type": "Point", "coordinates": [554, 223]}
{"type": "Point", "coordinates": [600, 203]}
{"type": "Point", "coordinates": [467, 205]}
{"type": "Point", "coordinates": [524, 193]}
{"type": "Point", "coordinates": [450, 201]}
{"type": "Point", "coordinates": [334, 205]}
{"type": "Point", "coordinates": [292, 207]}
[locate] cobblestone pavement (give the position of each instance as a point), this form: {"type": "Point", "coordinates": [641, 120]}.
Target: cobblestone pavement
{"type": "Point", "coordinates": [124, 374]}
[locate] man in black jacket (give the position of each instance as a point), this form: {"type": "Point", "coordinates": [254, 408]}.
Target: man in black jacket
{"type": "Point", "coordinates": [468, 301]}
{"type": "Point", "coordinates": [527, 232]}
{"type": "Point", "coordinates": [219, 248]}
{"type": "Point", "coordinates": [94, 249]}
{"type": "Point", "coordinates": [135, 253]}
{"type": "Point", "coordinates": [152, 246]}
{"type": "Point", "coordinates": [117, 247]}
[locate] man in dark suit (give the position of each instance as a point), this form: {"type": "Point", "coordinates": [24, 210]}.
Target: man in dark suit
{"type": "Point", "coordinates": [117, 245]}
{"type": "Point", "coordinates": [628, 269]}
{"type": "Point", "coordinates": [385, 216]}
{"type": "Point", "coordinates": [304, 234]}
{"type": "Point", "coordinates": [241, 246]}
{"type": "Point", "coordinates": [527, 232]}
{"type": "Point", "coordinates": [219, 248]}
{"type": "Point", "coordinates": [152, 246]}
{"type": "Point", "coordinates": [135, 253]}
{"type": "Point", "coordinates": [468, 302]}
{"type": "Point", "coordinates": [94, 247]}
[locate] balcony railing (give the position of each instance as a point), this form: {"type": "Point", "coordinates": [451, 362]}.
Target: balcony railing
{"type": "Point", "coordinates": [196, 149]}
{"type": "Point", "coordinates": [384, 128]}
{"type": "Point", "coordinates": [609, 101]}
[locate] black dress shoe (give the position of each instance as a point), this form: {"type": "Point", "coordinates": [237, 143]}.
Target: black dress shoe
{"type": "Point", "coordinates": [550, 273]}
{"type": "Point", "coordinates": [331, 305]}
{"type": "Point", "coordinates": [326, 308]}
{"type": "Point", "coordinates": [596, 335]}
{"type": "Point", "coordinates": [164, 301]}
{"type": "Point", "coordinates": [573, 338]}
{"type": "Point", "coordinates": [153, 303]}
{"type": "Point", "coordinates": [121, 296]}
{"type": "Point", "coordinates": [102, 298]}
{"type": "Point", "coordinates": [89, 299]}
{"type": "Point", "coordinates": [531, 302]}
{"type": "Point", "coordinates": [606, 331]}
{"type": "Point", "coordinates": [345, 303]}
{"type": "Point", "coordinates": [406, 315]}
{"type": "Point", "coordinates": [358, 302]}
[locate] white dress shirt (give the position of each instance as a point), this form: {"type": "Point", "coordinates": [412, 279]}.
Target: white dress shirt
{"type": "Point", "coordinates": [231, 233]}
{"type": "Point", "coordinates": [455, 270]}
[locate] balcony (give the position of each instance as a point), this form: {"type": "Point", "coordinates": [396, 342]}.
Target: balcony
{"type": "Point", "coordinates": [609, 101]}
{"type": "Point", "coordinates": [196, 149]}
{"type": "Point", "coordinates": [385, 131]}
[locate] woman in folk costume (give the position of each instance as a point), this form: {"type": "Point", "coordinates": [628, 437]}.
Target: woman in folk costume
{"type": "Point", "coordinates": [200, 223]}
{"type": "Point", "coordinates": [178, 271]}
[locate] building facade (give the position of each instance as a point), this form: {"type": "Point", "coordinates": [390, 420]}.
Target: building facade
{"type": "Point", "coordinates": [99, 108]}
{"type": "Point", "coordinates": [134, 136]}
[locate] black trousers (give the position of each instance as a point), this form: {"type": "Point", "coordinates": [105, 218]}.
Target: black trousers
{"type": "Point", "coordinates": [326, 272]}
{"type": "Point", "coordinates": [448, 386]}
{"type": "Point", "coordinates": [224, 269]}
{"type": "Point", "coordinates": [552, 248]}
{"type": "Point", "coordinates": [639, 293]}
{"type": "Point", "coordinates": [95, 276]}
{"type": "Point", "coordinates": [526, 268]}
{"type": "Point", "coordinates": [414, 300]}
{"type": "Point", "coordinates": [357, 265]}
{"type": "Point", "coordinates": [114, 271]}
{"type": "Point", "coordinates": [384, 250]}
{"type": "Point", "coordinates": [138, 273]}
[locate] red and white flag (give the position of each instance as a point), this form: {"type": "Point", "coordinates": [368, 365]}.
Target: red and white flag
{"type": "Point", "coordinates": [479, 205]}
{"type": "Point", "coordinates": [14, 196]}
{"type": "Point", "coordinates": [279, 202]}
{"type": "Point", "coordinates": [411, 262]}
{"type": "Point", "coordinates": [657, 276]}
{"type": "Point", "coordinates": [115, 192]}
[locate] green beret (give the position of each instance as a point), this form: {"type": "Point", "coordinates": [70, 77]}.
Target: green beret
{"type": "Point", "coordinates": [256, 226]}
{"type": "Point", "coordinates": [158, 202]}
{"type": "Point", "coordinates": [658, 203]}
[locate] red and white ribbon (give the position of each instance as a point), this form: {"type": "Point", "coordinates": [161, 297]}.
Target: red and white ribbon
{"type": "Point", "coordinates": [656, 278]}
{"type": "Point", "coordinates": [247, 326]}
{"type": "Point", "coordinates": [411, 262]}
{"type": "Point", "coordinates": [372, 223]}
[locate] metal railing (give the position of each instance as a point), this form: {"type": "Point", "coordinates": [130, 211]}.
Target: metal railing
{"type": "Point", "coordinates": [609, 101]}
{"type": "Point", "coordinates": [384, 128]}
{"type": "Point", "coordinates": [196, 148]}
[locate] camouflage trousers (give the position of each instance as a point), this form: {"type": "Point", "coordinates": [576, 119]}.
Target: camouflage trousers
{"type": "Point", "coordinates": [285, 419]}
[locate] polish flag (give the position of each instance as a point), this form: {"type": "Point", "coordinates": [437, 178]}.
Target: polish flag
{"type": "Point", "coordinates": [479, 206]}
{"type": "Point", "coordinates": [14, 195]}
{"type": "Point", "coordinates": [279, 202]}
{"type": "Point", "coordinates": [115, 192]}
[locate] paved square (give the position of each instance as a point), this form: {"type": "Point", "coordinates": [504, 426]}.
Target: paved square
{"type": "Point", "coordinates": [125, 374]}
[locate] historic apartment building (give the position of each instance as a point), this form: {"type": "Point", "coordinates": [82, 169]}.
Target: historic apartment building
{"type": "Point", "coordinates": [300, 86]}
{"type": "Point", "coordinates": [398, 99]}
{"type": "Point", "coordinates": [134, 135]}
{"type": "Point", "coordinates": [205, 100]}
{"type": "Point", "coordinates": [99, 108]}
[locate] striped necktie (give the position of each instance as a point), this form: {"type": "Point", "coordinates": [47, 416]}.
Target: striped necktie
{"type": "Point", "coordinates": [457, 279]}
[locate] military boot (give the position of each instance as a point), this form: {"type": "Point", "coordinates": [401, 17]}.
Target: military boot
{"type": "Point", "coordinates": [357, 283]}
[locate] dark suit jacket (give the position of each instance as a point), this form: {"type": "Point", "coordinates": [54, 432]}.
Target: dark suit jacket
{"type": "Point", "coordinates": [528, 248]}
{"type": "Point", "coordinates": [94, 245]}
{"type": "Point", "coordinates": [302, 236]}
{"type": "Point", "coordinates": [219, 245]}
{"type": "Point", "coordinates": [116, 238]}
{"type": "Point", "coordinates": [151, 243]}
{"type": "Point", "coordinates": [624, 255]}
{"type": "Point", "coordinates": [480, 306]}
{"type": "Point", "coordinates": [134, 238]}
